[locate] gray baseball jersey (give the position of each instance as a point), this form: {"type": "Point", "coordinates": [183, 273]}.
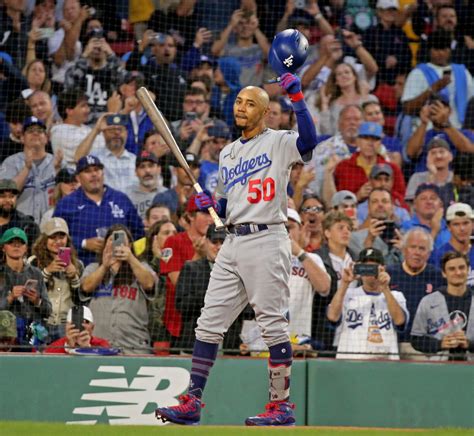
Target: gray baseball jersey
{"type": "Point", "coordinates": [254, 174]}
{"type": "Point", "coordinates": [35, 198]}
{"type": "Point", "coordinates": [140, 199]}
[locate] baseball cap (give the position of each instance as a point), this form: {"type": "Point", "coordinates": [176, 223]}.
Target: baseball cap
{"type": "Point", "coordinates": [88, 161]}
{"type": "Point", "coordinates": [439, 97]}
{"type": "Point", "coordinates": [388, 4]}
{"type": "Point", "coordinates": [117, 120]}
{"type": "Point", "coordinates": [427, 187]}
{"type": "Point", "coordinates": [146, 156]}
{"type": "Point", "coordinates": [8, 185]}
{"type": "Point", "coordinates": [13, 233]}
{"type": "Point", "coordinates": [33, 121]}
{"type": "Point", "coordinates": [294, 216]}
{"type": "Point", "coordinates": [459, 210]}
{"type": "Point", "coordinates": [215, 235]}
{"type": "Point", "coordinates": [219, 129]}
{"type": "Point", "coordinates": [192, 159]}
{"type": "Point", "coordinates": [130, 76]}
{"type": "Point", "coordinates": [191, 204]}
{"type": "Point", "coordinates": [87, 314]}
{"type": "Point", "coordinates": [54, 225]}
{"type": "Point", "coordinates": [371, 255]}
{"type": "Point", "coordinates": [378, 169]}
{"type": "Point", "coordinates": [65, 175]}
{"type": "Point", "coordinates": [343, 196]}
{"type": "Point", "coordinates": [7, 324]}
{"type": "Point", "coordinates": [371, 129]}
{"type": "Point", "coordinates": [203, 59]}
{"type": "Point", "coordinates": [438, 142]}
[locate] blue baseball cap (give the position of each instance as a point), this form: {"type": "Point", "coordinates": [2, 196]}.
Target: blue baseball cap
{"type": "Point", "coordinates": [33, 121]}
{"type": "Point", "coordinates": [371, 129]}
{"type": "Point", "coordinates": [219, 129]}
{"type": "Point", "coordinates": [88, 161]}
{"type": "Point", "coordinates": [428, 187]}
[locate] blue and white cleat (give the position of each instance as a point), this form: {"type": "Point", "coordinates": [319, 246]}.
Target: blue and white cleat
{"type": "Point", "coordinates": [279, 413]}
{"type": "Point", "coordinates": [187, 412]}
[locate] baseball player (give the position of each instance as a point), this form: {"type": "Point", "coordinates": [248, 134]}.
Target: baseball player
{"type": "Point", "coordinates": [253, 265]}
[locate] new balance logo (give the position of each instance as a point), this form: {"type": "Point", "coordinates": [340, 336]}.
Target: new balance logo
{"type": "Point", "coordinates": [81, 207]}
{"type": "Point", "coordinates": [115, 400]}
{"type": "Point", "coordinates": [288, 61]}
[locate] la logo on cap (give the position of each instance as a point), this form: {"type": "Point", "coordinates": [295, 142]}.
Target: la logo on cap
{"type": "Point", "coordinates": [90, 160]}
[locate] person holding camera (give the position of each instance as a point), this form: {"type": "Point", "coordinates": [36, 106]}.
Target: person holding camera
{"type": "Point", "coordinates": [96, 73]}
{"type": "Point", "coordinates": [77, 336]}
{"type": "Point", "coordinates": [370, 315]}
{"type": "Point", "coordinates": [119, 286]}
{"type": "Point", "coordinates": [55, 256]}
{"type": "Point", "coordinates": [381, 229]}
{"type": "Point", "coordinates": [22, 290]}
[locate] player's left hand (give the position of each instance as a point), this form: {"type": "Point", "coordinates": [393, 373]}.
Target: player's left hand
{"type": "Point", "coordinates": [204, 200]}
{"type": "Point", "coordinates": [290, 83]}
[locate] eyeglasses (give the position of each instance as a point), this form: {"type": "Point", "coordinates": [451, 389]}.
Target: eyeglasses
{"type": "Point", "coordinates": [315, 209]}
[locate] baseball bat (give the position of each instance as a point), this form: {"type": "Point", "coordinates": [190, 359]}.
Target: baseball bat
{"type": "Point", "coordinates": [159, 122]}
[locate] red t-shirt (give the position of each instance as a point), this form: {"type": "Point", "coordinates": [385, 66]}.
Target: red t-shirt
{"type": "Point", "coordinates": [57, 347]}
{"type": "Point", "coordinates": [183, 251]}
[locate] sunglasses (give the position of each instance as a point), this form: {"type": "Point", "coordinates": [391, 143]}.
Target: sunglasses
{"type": "Point", "coordinates": [316, 209]}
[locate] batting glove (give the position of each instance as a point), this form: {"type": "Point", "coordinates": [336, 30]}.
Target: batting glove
{"type": "Point", "coordinates": [204, 200]}
{"type": "Point", "coordinates": [292, 85]}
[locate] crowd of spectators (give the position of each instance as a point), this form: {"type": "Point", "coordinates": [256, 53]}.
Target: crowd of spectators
{"type": "Point", "coordinates": [96, 212]}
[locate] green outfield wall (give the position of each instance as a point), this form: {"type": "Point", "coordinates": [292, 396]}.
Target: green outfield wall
{"type": "Point", "coordinates": [126, 390]}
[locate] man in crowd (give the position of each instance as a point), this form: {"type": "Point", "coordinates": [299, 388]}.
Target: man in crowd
{"type": "Point", "coordinates": [93, 207]}
{"type": "Point", "coordinates": [459, 217]}
{"type": "Point", "coordinates": [96, 72]}
{"type": "Point", "coordinates": [381, 176]}
{"type": "Point", "coordinates": [188, 245]}
{"type": "Point", "coordinates": [415, 278]}
{"type": "Point", "coordinates": [370, 315]}
{"type": "Point", "coordinates": [76, 336]}
{"type": "Point", "coordinates": [119, 163]}
{"type": "Point", "coordinates": [15, 114]}
{"type": "Point", "coordinates": [10, 216]}
{"type": "Point", "coordinates": [67, 136]}
{"type": "Point", "coordinates": [192, 284]}
{"type": "Point", "coordinates": [428, 213]}
{"type": "Point", "coordinates": [351, 173]}
{"type": "Point", "coordinates": [443, 322]}
{"type": "Point", "coordinates": [33, 170]}
{"type": "Point", "coordinates": [143, 191]}
{"type": "Point", "coordinates": [380, 230]}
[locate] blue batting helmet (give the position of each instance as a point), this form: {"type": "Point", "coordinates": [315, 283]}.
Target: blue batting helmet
{"type": "Point", "coordinates": [288, 51]}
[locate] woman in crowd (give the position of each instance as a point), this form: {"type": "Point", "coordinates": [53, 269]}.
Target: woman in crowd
{"type": "Point", "coordinates": [342, 88]}
{"type": "Point", "coordinates": [37, 76]}
{"type": "Point", "coordinates": [118, 286]}
{"type": "Point", "coordinates": [22, 290]}
{"type": "Point", "coordinates": [55, 256]}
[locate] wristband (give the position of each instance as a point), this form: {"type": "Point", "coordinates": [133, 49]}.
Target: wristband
{"type": "Point", "coordinates": [296, 97]}
{"type": "Point", "coordinates": [302, 256]}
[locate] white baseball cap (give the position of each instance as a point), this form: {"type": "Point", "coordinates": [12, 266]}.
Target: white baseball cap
{"type": "Point", "coordinates": [293, 215]}
{"type": "Point", "coordinates": [87, 315]}
{"type": "Point", "coordinates": [459, 210]}
{"type": "Point", "coordinates": [388, 4]}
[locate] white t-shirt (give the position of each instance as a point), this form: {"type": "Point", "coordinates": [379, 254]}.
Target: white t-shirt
{"type": "Point", "coordinates": [301, 296]}
{"type": "Point", "coordinates": [367, 330]}
{"type": "Point", "coordinates": [416, 84]}
{"type": "Point", "coordinates": [67, 137]}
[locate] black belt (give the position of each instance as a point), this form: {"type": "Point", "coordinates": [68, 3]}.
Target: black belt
{"type": "Point", "coordinates": [246, 229]}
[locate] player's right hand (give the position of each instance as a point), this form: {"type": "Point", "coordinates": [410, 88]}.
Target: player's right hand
{"type": "Point", "coordinates": [204, 200]}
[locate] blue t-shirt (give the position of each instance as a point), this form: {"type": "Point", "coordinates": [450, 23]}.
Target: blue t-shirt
{"type": "Point", "coordinates": [168, 198]}
{"type": "Point", "coordinates": [392, 144]}
{"type": "Point", "coordinates": [84, 217]}
{"type": "Point", "coordinates": [441, 238]}
{"type": "Point", "coordinates": [414, 288]}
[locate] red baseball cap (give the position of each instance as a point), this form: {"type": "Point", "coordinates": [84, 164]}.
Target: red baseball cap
{"type": "Point", "coordinates": [191, 204]}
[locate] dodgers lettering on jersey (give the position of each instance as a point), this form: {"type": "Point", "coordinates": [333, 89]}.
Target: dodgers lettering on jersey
{"type": "Point", "coordinates": [253, 176]}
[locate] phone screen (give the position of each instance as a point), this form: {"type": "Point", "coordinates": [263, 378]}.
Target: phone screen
{"type": "Point", "coordinates": [118, 238]}
{"type": "Point", "coordinates": [366, 269]}
{"type": "Point", "coordinates": [31, 285]}
{"type": "Point", "coordinates": [388, 232]}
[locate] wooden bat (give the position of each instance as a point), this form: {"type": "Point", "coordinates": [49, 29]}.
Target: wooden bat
{"type": "Point", "coordinates": [159, 122]}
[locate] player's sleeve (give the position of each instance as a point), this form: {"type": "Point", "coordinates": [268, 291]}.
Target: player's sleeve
{"type": "Point", "coordinates": [220, 196]}
{"type": "Point", "coordinates": [307, 138]}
